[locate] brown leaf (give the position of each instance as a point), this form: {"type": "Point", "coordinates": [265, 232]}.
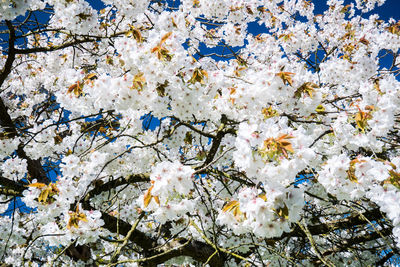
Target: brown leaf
{"type": "Point", "coordinates": [165, 37]}
{"type": "Point", "coordinates": [364, 41]}
{"type": "Point", "coordinates": [76, 88]}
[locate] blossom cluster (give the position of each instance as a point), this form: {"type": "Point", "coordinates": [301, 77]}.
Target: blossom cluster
{"type": "Point", "coordinates": [172, 184]}
{"type": "Point", "coordinates": [266, 214]}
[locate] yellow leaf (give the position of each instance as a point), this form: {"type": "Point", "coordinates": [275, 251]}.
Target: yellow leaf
{"type": "Point", "coordinates": [38, 185]}
{"type": "Point", "coordinates": [320, 109]}
{"type": "Point", "coordinates": [345, 9]}
{"type": "Point", "coordinates": [43, 195]}
{"type": "Point", "coordinates": [283, 212]}
{"type": "Point", "coordinates": [351, 172]}
{"type": "Point", "coordinates": [284, 136]}
{"type": "Point", "coordinates": [173, 23]}
{"type": "Point", "coordinates": [370, 107]}
{"type": "Point", "coordinates": [238, 71]}
{"type": "Point", "coordinates": [75, 217]}
{"type": "Point", "coordinates": [263, 196]}
{"type": "Point", "coordinates": [82, 217]}
{"type": "Point", "coordinates": [236, 211]}
{"type": "Point", "coordinates": [193, 58]}
{"type": "Point", "coordinates": [156, 199]}
{"type": "Point", "coordinates": [68, 152]}
{"type": "Point", "coordinates": [147, 196]}
{"type": "Point", "coordinates": [36, 41]}
{"type": "Point", "coordinates": [307, 88]}
{"type": "Point", "coordinates": [198, 76]}
{"type": "Point", "coordinates": [394, 178]}
{"type": "Point", "coordinates": [162, 53]}
{"type": "Point", "coordinates": [286, 37]}
{"type": "Point", "coordinates": [72, 222]}
{"type": "Point", "coordinates": [64, 56]}
{"type": "Point", "coordinates": [272, 148]}
{"type": "Point", "coordinates": [230, 205]}
{"type": "Point", "coordinates": [376, 86]}
{"type": "Point", "coordinates": [286, 77]}
{"type": "Point", "coordinates": [204, 72]}
{"type": "Point", "coordinates": [288, 147]}
{"type": "Point", "coordinates": [269, 112]}
{"type": "Point", "coordinates": [138, 81]}
{"type": "Point", "coordinates": [90, 76]}
{"type": "Point", "coordinates": [361, 119]}
{"type": "Point", "coordinates": [284, 143]}
{"type": "Point", "coordinates": [139, 77]}
{"type": "Point", "coordinates": [395, 28]}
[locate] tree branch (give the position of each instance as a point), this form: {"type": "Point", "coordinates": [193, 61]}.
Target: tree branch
{"type": "Point", "coordinates": [11, 54]}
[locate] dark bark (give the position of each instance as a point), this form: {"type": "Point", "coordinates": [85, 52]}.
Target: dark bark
{"type": "Point", "coordinates": [35, 169]}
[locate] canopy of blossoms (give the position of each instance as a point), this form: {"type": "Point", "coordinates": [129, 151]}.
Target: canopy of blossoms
{"type": "Point", "coordinates": [169, 132]}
